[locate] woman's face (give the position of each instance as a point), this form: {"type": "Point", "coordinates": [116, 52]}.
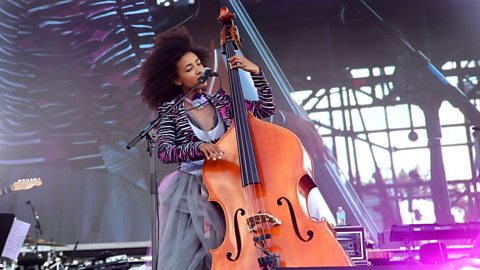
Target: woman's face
{"type": "Point", "coordinates": [189, 69]}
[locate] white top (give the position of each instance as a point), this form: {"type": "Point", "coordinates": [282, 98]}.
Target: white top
{"type": "Point", "coordinates": [195, 167]}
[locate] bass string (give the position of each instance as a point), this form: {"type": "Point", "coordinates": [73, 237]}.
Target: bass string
{"type": "Point", "coordinates": [246, 151]}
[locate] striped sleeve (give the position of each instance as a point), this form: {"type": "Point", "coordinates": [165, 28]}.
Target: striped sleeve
{"type": "Point", "coordinates": [169, 149]}
{"type": "Point", "coordinates": [265, 106]}
{"type": "Point", "coordinates": [222, 97]}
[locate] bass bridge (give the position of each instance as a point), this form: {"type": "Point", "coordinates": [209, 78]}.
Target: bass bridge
{"type": "Point", "coordinates": [261, 219]}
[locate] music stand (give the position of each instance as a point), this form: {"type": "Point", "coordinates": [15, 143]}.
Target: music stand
{"type": "Point", "coordinates": [12, 234]}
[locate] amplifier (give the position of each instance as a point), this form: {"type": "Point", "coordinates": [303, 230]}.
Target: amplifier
{"type": "Point", "coordinates": [352, 240]}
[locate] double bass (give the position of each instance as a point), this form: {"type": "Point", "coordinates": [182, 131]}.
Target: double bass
{"type": "Point", "coordinates": [261, 184]}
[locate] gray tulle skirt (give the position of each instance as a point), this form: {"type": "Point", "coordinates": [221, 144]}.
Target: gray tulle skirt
{"type": "Point", "coordinates": [189, 225]}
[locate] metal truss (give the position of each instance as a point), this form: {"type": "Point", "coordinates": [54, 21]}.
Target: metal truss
{"type": "Point", "coordinates": [376, 118]}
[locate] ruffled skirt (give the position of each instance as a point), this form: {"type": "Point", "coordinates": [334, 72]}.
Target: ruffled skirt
{"type": "Point", "coordinates": [189, 225]}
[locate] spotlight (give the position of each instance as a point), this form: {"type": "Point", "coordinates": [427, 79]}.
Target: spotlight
{"type": "Point", "coordinates": [165, 3]}
{"type": "Point", "coordinates": [170, 3]}
{"type": "Point", "coordinates": [413, 136]}
{"type": "Point", "coordinates": [433, 253]}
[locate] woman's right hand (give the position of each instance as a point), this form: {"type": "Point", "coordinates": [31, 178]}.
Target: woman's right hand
{"type": "Point", "coordinates": [211, 151]}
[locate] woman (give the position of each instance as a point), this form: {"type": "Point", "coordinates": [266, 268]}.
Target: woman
{"type": "Point", "coordinates": [189, 225]}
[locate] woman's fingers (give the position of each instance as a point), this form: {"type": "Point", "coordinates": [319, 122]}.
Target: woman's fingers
{"type": "Point", "coordinates": [211, 151]}
{"type": "Point", "coordinates": [216, 152]}
{"type": "Point", "coordinates": [238, 61]}
{"type": "Point", "coordinates": [234, 62]}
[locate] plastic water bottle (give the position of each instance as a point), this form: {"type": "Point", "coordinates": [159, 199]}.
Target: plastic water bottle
{"type": "Point", "coordinates": [341, 218]}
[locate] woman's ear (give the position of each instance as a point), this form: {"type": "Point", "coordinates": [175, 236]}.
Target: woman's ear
{"type": "Point", "coordinates": [177, 82]}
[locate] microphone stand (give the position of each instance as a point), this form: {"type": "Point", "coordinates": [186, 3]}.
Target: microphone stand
{"type": "Point", "coordinates": [151, 149]}
{"type": "Point", "coordinates": [38, 227]}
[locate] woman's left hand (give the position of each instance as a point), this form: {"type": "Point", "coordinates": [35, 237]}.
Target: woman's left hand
{"type": "Point", "coordinates": [238, 61]}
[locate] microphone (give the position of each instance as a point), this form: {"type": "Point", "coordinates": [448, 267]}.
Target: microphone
{"type": "Point", "coordinates": [206, 73]}
{"type": "Point", "coordinates": [35, 215]}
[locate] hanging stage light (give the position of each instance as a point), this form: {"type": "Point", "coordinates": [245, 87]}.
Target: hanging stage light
{"type": "Point", "coordinates": [170, 3]}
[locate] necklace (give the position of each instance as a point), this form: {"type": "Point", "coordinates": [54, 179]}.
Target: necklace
{"type": "Point", "coordinates": [198, 101]}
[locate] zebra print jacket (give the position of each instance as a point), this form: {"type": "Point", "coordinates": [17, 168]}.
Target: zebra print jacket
{"type": "Point", "coordinates": [176, 140]}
